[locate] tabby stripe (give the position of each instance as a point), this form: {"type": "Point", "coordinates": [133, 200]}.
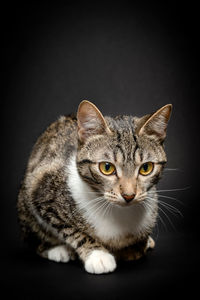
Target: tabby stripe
{"type": "Point", "coordinates": [87, 239]}
{"type": "Point", "coordinates": [86, 161]}
{"type": "Point", "coordinates": [46, 202]}
{"type": "Point", "coordinates": [93, 176]}
{"type": "Point", "coordinates": [92, 246]}
{"type": "Point", "coordinates": [136, 147]}
{"type": "Point", "coordinates": [88, 178]}
{"type": "Point", "coordinates": [54, 213]}
{"type": "Point", "coordinates": [161, 162]}
{"type": "Point", "coordinates": [149, 187]}
{"type": "Point", "coordinates": [73, 233]}
{"type": "Point", "coordinates": [118, 137]}
{"type": "Point", "coordinates": [61, 226]}
{"type": "Point", "coordinates": [135, 139]}
{"type": "Point", "coordinates": [81, 242]}
{"type": "Point", "coordinates": [136, 143]}
{"type": "Point", "coordinates": [141, 156]}
{"type": "Point", "coordinates": [155, 179]}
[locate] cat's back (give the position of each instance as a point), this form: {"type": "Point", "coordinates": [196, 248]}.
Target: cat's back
{"type": "Point", "coordinates": [52, 150]}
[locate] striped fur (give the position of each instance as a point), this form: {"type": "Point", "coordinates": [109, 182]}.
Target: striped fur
{"type": "Point", "coordinates": [71, 209]}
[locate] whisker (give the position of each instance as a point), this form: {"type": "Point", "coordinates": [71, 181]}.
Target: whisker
{"type": "Point", "coordinates": [168, 218]}
{"type": "Point", "coordinates": [144, 204]}
{"type": "Point", "coordinates": [172, 198]}
{"type": "Point", "coordinates": [92, 200]}
{"type": "Point", "coordinates": [162, 222]}
{"type": "Point", "coordinates": [171, 169]}
{"type": "Point", "coordinates": [98, 208]}
{"type": "Point", "coordinates": [91, 207]}
{"type": "Point", "coordinates": [170, 221]}
{"type": "Point", "coordinates": [171, 208]}
{"type": "Point", "coordinates": [167, 206]}
{"type": "Point", "coordinates": [106, 209]}
{"type": "Point", "coordinates": [171, 190]}
{"type": "Point", "coordinates": [147, 205]}
{"type": "Point", "coordinates": [111, 209]}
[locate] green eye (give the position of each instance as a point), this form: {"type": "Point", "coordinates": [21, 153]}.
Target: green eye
{"type": "Point", "coordinates": [146, 168]}
{"type": "Point", "coordinates": [107, 168]}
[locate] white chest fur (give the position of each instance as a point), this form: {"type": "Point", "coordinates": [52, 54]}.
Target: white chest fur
{"type": "Point", "coordinates": [117, 222]}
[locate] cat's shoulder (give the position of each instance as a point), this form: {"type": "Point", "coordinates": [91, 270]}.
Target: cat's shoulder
{"type": "Point", "coordinates": [56, 143]}
{"type": "Point", "coordinates": [60, 129]}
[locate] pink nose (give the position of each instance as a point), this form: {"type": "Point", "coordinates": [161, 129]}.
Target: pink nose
{"type": "Point", "coordinates": [128, 198]}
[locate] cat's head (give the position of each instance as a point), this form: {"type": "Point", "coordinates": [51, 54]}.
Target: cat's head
{"type": "Point", "coordinates": [122, 158]}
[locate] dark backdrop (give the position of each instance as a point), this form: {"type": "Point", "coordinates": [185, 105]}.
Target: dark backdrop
{"type": "Point", "coordinates": [127, 59]}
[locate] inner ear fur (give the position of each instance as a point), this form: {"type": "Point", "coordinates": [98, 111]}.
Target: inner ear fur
{"type": "Point", "coordinates": [155, 125]}
{"type": "Point", "coordinates": [90, 121]}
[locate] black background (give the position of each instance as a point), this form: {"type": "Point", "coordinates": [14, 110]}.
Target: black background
{"type": "Point", "coordinates": [127, 59]}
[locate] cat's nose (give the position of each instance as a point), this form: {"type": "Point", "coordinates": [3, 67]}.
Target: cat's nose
{"type": "Point", "coordinates": [128, 198]}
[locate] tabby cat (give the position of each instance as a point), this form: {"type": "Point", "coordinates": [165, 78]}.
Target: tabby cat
{"type": "Point", "coordinates": [90, 187]}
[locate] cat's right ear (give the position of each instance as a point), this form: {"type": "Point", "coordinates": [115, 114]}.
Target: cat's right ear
{"type": "Point", "coordinates": [90, 121]}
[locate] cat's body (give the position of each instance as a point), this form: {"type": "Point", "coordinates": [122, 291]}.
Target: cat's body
{"type": "Point", "coordinates": [71, 202]}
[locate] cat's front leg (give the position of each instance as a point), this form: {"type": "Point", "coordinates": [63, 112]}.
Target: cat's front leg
{"type": "Point", "coordinates": [96, 259]}
{"type": "Point", "coordinates": [58, 253]}
{"type": "Point", "coordinates": [135, 251]}
{"type": "Point", "coordinates": [99, 262]}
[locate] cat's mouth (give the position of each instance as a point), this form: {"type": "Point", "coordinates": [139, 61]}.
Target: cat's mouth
{"type": "Point", "coordinates": [121, 203]}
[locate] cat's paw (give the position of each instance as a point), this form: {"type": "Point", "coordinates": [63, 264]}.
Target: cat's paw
{"type": "Point", "coordinates": [150, 243]}
{"type": "Point", "coordinates": [58, 254]}
{"type": "Point", "coordinates": [99, 262]}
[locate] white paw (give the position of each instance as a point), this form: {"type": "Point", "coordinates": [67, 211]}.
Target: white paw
{"type": "Point", "coordinates": [58, 254]}
{"type": "Point", "coordinates": [150, 243]}
{"type": "Point", "coordinates": [99, 262]}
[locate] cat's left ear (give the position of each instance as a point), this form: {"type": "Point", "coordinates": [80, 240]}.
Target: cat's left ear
{"type": "Point", "coordinates": [156, 124]}
{"type": "Point", "coordinates": [90, 121]}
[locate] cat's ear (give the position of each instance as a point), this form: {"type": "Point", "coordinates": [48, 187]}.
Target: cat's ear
{"type": "Point", "coordinates": [90, 121]}
{"type": "Point", "coordinates": [155, 125]}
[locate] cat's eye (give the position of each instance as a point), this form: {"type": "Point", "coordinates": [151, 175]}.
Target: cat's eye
{"type": "Point", "coordinates": [107, 168]}
{"type": "Point", "coordinates": [146, 168]}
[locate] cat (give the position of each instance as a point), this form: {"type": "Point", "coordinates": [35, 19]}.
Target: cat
{"type": "Point", "coordinates": [89, 190]}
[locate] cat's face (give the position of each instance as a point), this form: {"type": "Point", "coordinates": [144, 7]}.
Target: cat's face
{"type": "Point", "coordinates": [115, 158]}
